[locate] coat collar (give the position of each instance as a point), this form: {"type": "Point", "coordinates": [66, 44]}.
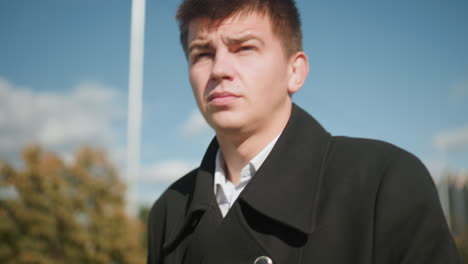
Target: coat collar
{"type": "Point", "coordinates": [286, 186]}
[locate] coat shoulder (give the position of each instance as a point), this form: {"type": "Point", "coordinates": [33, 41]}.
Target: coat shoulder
{"type": "Point", "coordinates": [370, 151]}
{"type": "Point", "coordinates": [364, 146]}
{"type": "Point", "coordinates": [374, 163]}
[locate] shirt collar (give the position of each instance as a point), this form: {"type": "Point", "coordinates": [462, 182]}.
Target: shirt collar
{"type": "Point", "coordinates": [248, 171]}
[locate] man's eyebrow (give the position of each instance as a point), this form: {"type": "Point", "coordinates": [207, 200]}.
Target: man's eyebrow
{"type": "Point", "coordinates": [243, 38]}
{"type": "Point", "coordinates": [203, 45]}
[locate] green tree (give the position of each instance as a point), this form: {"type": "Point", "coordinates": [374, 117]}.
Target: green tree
{"type": "Point", "coordinates": [54, 211]}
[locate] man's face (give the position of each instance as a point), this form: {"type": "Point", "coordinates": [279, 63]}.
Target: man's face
{"type": "Point", "coordinates": [239, 72]}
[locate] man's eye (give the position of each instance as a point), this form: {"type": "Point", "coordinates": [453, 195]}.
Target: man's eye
{"type": "Point", "coordinates": [245, 48]}
{"type": "Point", "coordinates": [201, 55]}
{"type": "Point", "coordinates": [204, 54]}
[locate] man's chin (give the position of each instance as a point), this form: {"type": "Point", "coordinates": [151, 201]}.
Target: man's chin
{"type": "Point", "coordinates": [227, 125]}
{"type": "Point", "coordinates": [227, 128]}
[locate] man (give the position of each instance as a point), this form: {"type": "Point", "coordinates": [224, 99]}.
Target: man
{"type": "Point", "coordinates": [274, 186]}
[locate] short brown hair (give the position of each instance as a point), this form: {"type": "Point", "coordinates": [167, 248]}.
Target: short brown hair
{"type": "Point", "coordinates": [283, 14]}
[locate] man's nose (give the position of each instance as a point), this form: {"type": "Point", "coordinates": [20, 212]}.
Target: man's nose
{"type": "Point", "coordinates": [222, 67]}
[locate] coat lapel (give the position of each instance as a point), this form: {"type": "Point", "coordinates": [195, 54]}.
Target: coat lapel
{"type": "Point", "coordinates": [286, 186]}
{"type": "Point", "coordinates": [199, 201]}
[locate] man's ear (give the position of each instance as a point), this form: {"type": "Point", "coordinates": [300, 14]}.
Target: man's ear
{"type": "Point", "coordinates": [299, 68]}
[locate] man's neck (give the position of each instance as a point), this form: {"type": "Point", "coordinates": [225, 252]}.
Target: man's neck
{"type": "Point", "coordinates": [239, 149]}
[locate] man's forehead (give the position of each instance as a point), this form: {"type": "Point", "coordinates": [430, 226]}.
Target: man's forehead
{"type": "Point", "coordinates": [238, 24]}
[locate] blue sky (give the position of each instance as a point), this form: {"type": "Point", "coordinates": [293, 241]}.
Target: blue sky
{"type": "Point", "coordinates": [391, 70]}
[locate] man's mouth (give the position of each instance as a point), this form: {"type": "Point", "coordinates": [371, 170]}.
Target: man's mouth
{"type": "Point", "coordinates": [221, 98]}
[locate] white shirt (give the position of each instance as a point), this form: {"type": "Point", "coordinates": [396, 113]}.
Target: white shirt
{"type": "Point", "coordinates": [226, 193]}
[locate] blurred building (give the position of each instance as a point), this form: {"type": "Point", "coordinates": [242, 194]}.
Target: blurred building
{"type": "Point", "coordinates": [453, 193]}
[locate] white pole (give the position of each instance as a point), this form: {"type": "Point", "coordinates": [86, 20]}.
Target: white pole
{"type": "Point", "coordinates": [135, 86]}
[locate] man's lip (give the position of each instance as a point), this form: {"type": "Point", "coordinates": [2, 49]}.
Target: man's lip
{"type": "Point", "coordinates": [220, 95]}
{"type": "Point", "coordinates": [220, 99]}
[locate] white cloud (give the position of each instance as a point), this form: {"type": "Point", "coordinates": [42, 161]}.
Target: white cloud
{"type": "Point", "coordinates": [86, 114]}
{"type": "Point", "coordinates": [452, 140]}
{"type": "Point", "coordinates": [167, 171]}
{"type": "Point", "coordinates": [195, 125]}
{"type": "Point", "coordinates": [60, 121]}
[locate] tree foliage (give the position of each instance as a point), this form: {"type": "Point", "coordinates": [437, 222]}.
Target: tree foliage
{"type": "Point", "coordinates": [54, 211]}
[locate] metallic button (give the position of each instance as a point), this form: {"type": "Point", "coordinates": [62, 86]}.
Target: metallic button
{"type": "Point", "coordinates": [263, 260]}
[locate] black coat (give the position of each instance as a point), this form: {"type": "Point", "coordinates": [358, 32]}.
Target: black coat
{"type": "Point", "coordinates": [315, 199]}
